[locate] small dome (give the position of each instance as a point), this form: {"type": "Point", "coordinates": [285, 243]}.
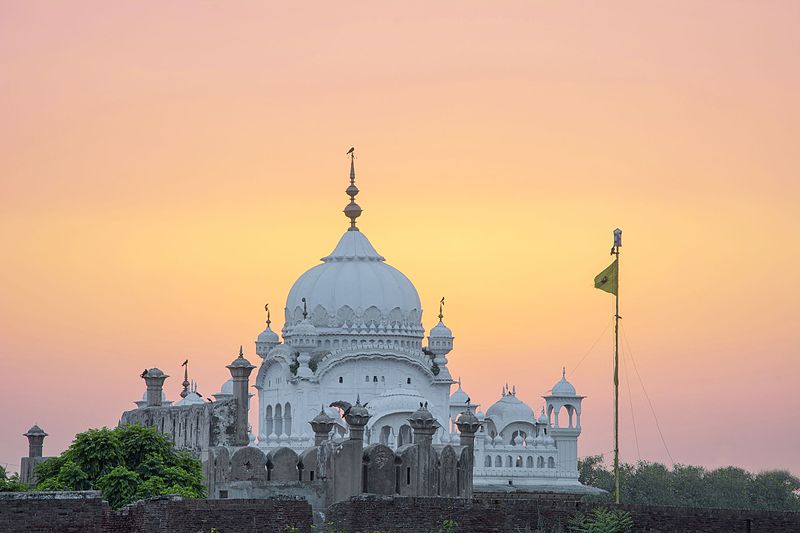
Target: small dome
{"type": "Point", "coordinates": [268, 336]}
{"type": "Point", "coordinates": [226, 391]}
{"type": "Point", "coordinates": [240, 361]}
{"type": "Point", "coordinates": [304, 328]}
{"type": "Point", "coordinates": [543, 418]}
{"type": "Point", "coordinates": [468, 417]}
{"type": "Point", "coordinates": [563, 387]}
{"type": "Point", "coordinates": [155, 373]}
{"type": "Point", "coordinates": [459, 397]}
{"type": "Point", "coordinates": [509, 409]}
{"type": "Point", "coordinates": [35, 431]}
{"type": "Point", "coordinates": [440, 330]}
{"type": "Point", "coordinates": [191, 399]}
{"type": "Point", "coordinates": [422, 415]}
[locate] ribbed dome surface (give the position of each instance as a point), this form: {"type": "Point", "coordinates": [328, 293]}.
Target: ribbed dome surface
{"type": "Point", "coordinates": [354, 285]}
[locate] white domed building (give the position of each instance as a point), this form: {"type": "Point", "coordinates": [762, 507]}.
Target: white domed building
{"type": "Point", "coordinates": [353, 329]}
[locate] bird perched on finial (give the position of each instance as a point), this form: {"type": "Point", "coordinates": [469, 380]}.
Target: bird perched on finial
{"type": "Point", "coordinates": [351, 150]}
{"type": "Point", "coordinates": [468, 400]}
{"type": "Point", "coordinates": [343, 405]}
{"type": "Point", "coordinates": [144, 373]}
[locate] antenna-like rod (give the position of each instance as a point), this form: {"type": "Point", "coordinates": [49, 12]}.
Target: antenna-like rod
{"type": "Point", "coordinates": [266, 308]}
{"type": "Point", "coordinates": [441, 309]}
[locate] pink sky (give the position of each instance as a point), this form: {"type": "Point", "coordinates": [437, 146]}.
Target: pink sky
{"type": "Point", "coordinates": [166, 169]}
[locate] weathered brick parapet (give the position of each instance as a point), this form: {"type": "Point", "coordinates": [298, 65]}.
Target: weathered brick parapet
{"type": "Point", "coordinates": [422, 515]}
{"type": "Point", "coordinates": [86, 512]}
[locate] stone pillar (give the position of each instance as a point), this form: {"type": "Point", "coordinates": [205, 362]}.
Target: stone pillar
{"type": "Point", "coordinates": [240, 370]}
{"type": "Point", "coordinates": [35, 441]}
{"type": "Point", "coordinates": [424, 426]}
{"type": "Point", "coordinates": [347, 472]}
{"type": "Point", "coordinates": [322, 425]}
{"type": "Point", "coordinates": [155, 386]}
{"type": "Point", "coordinates": [468, 424]}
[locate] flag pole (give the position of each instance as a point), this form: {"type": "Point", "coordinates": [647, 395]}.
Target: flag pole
{"type": "Point", "coordinates": [615, 251]}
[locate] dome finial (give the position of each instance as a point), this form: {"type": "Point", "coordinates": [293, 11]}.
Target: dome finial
{"type": "Point", "coordinates": [305, 309]}
{"type": "Point", "coordinates": [352, 210]}
{"type": "Point", "coordinates": [185, 383]}
{"type": "Point", "coordinates": [441, 309]}
{"type": "Point", "coordinates": [266, 308]}
{"type": "Point", "coordinates": [241, 351]}
{"type": "Point", "coordinates": [563, 372]}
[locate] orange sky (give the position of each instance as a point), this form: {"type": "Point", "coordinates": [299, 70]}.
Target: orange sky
{"type": "Point", "coordinates": [166, 169]}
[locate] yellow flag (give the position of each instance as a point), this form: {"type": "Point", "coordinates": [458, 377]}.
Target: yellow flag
{"type": "Point", "coordinates": [607, 279]}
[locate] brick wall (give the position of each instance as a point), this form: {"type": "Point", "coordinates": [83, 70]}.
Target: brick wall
{"type": "Point", "coordinates": [85, 512]}
{"type": "Point", "coordinates": [422, 515]}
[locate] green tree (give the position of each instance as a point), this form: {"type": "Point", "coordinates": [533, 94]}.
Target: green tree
{"type": "Point", "coordinates": [728, 488]}
{"type": "Point", "coordinates": [127, 463]}
{"type": "Point", "coordinates": [10, 483]}
{"type": "Point", "coordinates": [775, 490]}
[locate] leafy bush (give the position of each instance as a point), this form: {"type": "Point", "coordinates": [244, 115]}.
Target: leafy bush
{"type": "Point", "coordinates": [10, 483]}
{"type": "Point", "coordinates": [126, 464]}
{"type": "Point", "coordinates": [601, 520]}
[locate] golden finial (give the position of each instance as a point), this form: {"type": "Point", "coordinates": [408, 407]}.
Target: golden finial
{"type": "Point", "coordinates": [266, 308]}
{"type": "Point", "coordinates": [441, 309]}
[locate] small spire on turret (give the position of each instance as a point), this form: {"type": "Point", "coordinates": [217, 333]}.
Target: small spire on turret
{"type": "Point", "coordinates": [185, 383]}
{"type": "Point", "coordinates": [266, 308]}
{"type": "Point", "coordinates": [441, 309]}
{"type": "Point", "coordinates": [352, 210]}
{"type": "Point", "coordinates": [563, 372]}
{"type": "Point", "coordinates": [305, 309]}
{"type": "Point", "coordinates": [241, 351]}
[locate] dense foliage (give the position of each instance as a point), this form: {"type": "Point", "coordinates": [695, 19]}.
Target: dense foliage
{"type": "Point", "coordinates": [601, 521]}
{"type": "Point", "coordinates": [10, 483]}
{"type": "Point", "coordinates": [694, 486]}
{"type": "Point", "coordinates": [126, 464]}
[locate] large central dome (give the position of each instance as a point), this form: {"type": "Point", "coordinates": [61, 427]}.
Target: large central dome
{"type": "Point", "coordinates": [354, 290]}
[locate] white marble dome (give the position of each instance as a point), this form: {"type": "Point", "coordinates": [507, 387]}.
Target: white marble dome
{"type": "Point", "coordinates": [355, 288]}
{"type": "Point", "coordinates": [563, 387]}
{"type": "Point", "coordinates": [509, 409]}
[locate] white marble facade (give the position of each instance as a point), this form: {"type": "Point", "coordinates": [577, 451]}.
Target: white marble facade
{"type": "Point", "coordinates": [353, 328]}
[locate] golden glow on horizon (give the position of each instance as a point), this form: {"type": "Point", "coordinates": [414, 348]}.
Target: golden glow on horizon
{"type": "Point", "coordinates": [167, 170]}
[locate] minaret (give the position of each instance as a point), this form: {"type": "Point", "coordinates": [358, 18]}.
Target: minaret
{"type": "Point", "coordinates": [352, 210]}
{"type": "Point", "coordinates": [35, 441]}
{"type": "Point", "coordinates": [155, 385]}
{"type": "Point", "coordinates": [440, 343]}
{"type": "Point", "coordinates": [240, 370]}
{"type": "Point", "coordinates": [267, 339]}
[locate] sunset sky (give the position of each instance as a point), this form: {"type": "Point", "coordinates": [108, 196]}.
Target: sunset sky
{"type": "Point", "coordinates": [168, 168]}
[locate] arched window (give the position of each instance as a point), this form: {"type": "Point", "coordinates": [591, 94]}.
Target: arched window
{"type": "Point", "coordinates": [341, 379]}
{"type": "Point", "coordinates": [408, 381]}
{"type": "Point", "coordinates": [404, 436]}
{"type": "Point", "coordinates": [529, 462]}
{"type": "Point", "coordinates": [278, 420]}
{"type": "Point", "coordinates": [287, 418]}
{"type": "Point", "coordinates": [509, 463]}
{"type": "Point", "coordinates": [374, 379]}
{"type": "Point", "coordinates": [498, 461]}
{"type": "Point", "coordinates": [268, 420]}
{"type": "Point", "coordinates": [551, 462]}
{"type": "Point", "coordinates": [488, 462]}
{"type": "Point", "coordinates": [540, 462]}
{"type": "Point", "coordinates": [518, 462]}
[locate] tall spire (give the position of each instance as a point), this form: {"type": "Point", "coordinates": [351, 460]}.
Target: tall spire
{"type": "Point", "coordinates": [266, 308]}
{"type": "Point", "coordinates": [305, 309]}
{"type": "Point", "coordinates": [352, 210]}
